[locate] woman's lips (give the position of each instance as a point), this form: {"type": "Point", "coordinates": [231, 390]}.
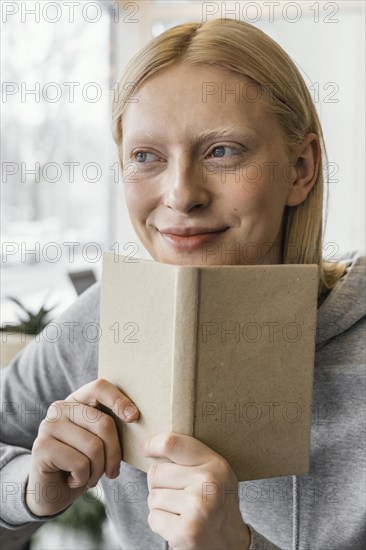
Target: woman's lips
{"type": "Point", "coordinates": [191, 242]}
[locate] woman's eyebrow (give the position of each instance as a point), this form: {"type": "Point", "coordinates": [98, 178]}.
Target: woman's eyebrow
{"type": "Point", "coordinates": [141, 135]}
{"type": "Point", "coordinates": [221, 132]}
{"type": "Point", "coordinates": [224, 132]}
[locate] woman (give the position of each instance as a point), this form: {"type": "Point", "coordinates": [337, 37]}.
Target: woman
{"type": "Point", "coordinates": [219, 143]}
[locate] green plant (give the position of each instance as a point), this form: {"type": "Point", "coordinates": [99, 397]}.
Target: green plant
{"type": "Point", "coordinates": [33, 324]}
{"type": "Point", "coordinates": [86, 515]}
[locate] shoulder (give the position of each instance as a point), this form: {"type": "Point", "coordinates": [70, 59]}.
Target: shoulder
{"type": "Point", "coordinates": [345, 307]}
{"type": "Point", "coordinates": [86, 306]}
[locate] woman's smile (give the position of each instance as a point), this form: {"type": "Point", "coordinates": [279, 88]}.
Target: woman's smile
{"type": "Point", "coordinates": [191, 241]}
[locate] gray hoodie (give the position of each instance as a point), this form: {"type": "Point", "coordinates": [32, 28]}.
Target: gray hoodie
{"type": "Point", "coordinates": [323, 510]}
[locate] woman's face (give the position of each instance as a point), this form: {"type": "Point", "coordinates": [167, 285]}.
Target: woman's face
{"type": "Point", "coordinates": [202, 157]}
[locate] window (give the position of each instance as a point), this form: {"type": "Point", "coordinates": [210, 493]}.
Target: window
{"type": "Point", "coordinates": [56, 145]}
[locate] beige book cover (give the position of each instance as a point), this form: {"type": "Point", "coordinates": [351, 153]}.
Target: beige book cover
{"type": "Point", "coordinates": [221, 353]}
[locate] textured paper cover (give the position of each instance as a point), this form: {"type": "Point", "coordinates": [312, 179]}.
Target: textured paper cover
{"type": "Point", "coordinates": [264, 377]}
{"type": "Point", "coordinates": [254, 385]}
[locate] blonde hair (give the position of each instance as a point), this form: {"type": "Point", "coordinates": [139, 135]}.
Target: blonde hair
{"type": "Point", "coordinates": [245, 49]}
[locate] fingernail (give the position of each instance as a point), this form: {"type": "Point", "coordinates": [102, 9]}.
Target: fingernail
{"type": "Point", "coordinates": [115, 473]}
{"type": "Point", "coordinates": [129, 410]}
{"type": "Point", "coordinates": [74, 483]}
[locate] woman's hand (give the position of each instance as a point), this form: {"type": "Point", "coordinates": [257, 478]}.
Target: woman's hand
{"type": "Point", "coordinates": [193, 500]}
{"type": "Point", "coordinates": [76, 444]}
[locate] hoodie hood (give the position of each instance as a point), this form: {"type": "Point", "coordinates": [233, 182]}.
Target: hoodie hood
{"type": "Point", "coordinates": [346, 304]}
{"type": "Point", "coordinates": [343, 307]}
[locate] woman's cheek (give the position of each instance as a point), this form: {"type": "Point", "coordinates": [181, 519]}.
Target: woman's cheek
{"type": "Point", "coordinates": [249, 197]}
{"type": "Point", "coordinates": [136, 197]}
{"type": "Point", "coordinates": [252, 174]}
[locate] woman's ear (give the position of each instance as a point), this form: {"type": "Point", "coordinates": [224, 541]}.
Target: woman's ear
{"type": "Point", "coordinates": [305, 168]}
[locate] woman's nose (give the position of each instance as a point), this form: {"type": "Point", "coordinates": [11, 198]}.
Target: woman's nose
{"type": "Point", "coordinates": [185, 188]}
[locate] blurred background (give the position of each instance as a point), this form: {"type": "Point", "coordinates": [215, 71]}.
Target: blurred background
{"type": "Point", "coordinates": [62, 199]}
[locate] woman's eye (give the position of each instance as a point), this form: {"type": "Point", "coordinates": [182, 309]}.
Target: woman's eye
{"type": "Point", "coordinates": [143, 156]}
{"type": "Point", "coordinates": [220, 151]}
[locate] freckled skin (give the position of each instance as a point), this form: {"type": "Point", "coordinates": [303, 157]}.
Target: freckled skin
{"type": "Point", "coordinates": [182, 184]}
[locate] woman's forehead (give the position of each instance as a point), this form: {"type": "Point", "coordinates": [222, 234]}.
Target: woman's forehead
{"type": "Point", "coordinates": [207, 81]}
{"type": "Point", "coordinates": [195, 102]}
